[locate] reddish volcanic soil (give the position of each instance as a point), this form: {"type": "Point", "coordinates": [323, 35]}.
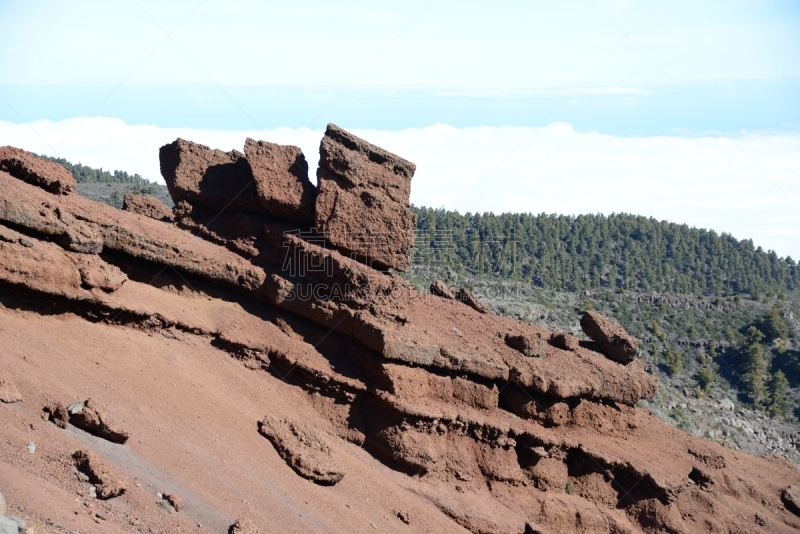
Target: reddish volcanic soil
{"type": "Point", "coordinates": [207, 371]}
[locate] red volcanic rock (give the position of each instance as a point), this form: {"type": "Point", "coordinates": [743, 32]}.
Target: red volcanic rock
{"type": "Point", "coordinates": [613, 340]}
{"type": "Point", "coordinates": [268, 179]}
{"type": "Point", "coordinates": [9, 392]}
{"type": "Point", "coordinates": [147, 205]}
{"type": "Point", "coordinates": [45, 174]}
{"type": "Point", "coordinates": [93, 418]}
{"type": "Point", "coordinates": [281, 179]}
{"type": "Point", "coordinates": [440, 289]}
{"type": "Point", "coordinates": [466, 296]}
{"type": "Point", "coordinates": [108, 482]}
{"type": "Point", "coordinates": [363, 200]}
{"type": "Point", "coordinates": [303, 448]}
{"type": "Point", "coordinates": [565, 341]}
{"type": "Point", "coordinates": [207, 177]}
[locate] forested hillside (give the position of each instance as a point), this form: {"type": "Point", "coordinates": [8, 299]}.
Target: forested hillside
{"type": "Point", "coordinates": [618, 251]}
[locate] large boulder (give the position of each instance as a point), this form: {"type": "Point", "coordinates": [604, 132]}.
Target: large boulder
{"type": "Point", "coordinates": [207, 177]}
{"type": "Point", "coordinates": [609, 335]}
{"type": "Point", "coordinates": [362, 203]}
{"type": "Point", "coordinates": [281, 179]}
{"type": "Point", "coordinates": [45, 174]}
{"type": "Point", "coordinates": [268, 179]}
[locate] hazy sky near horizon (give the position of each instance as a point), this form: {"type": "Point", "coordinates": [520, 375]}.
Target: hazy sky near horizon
{"type": "Point", "coordinates": [683, 110]}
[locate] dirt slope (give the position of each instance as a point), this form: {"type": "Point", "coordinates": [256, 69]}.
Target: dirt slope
{"type": "Point", "coordinates": [262, 376]}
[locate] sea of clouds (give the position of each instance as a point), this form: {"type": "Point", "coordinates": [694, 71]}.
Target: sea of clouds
{"type": "Point", "coordinates": [746, 184]}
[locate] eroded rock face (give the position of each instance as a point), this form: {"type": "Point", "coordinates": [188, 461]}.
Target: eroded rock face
{"type": "Point", "coordinates": [107, 480]}
{"type": "Point", "coordinates": [612, 339]}
{"type": "Point", "coordinates": [147, 205]}
{"type": "Point", "coordinates": [280, 173]}
{"type": "Point", "coordinates": [362, 203]}
{"type": "Point", "coordinates": [791, 499]}
{"type": "Point", "coordinates": [303, 448]}
{"type": "Point", "coordinates": [49, 176]}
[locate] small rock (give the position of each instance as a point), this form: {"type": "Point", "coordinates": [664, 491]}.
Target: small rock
{"type": "Point", "coordinates": [108, 483]}
{"type": "Point", "coordinates": [147, 205]}
{"type": "Point", "coordinates": [243, 526]}
{"type": "Point", "coordinates": [57, 414]}
{"type": "Point", "coordinates": [174, 500]}
{"type": "Point", "coordinates": [9, 392]}
{"type": "Point", "coordinates": [466, 296]}
{"type": "Point", "coordinates": [612, 339]}
{"type": "Point", "coordinates": [791, 499]}
{"type": "Point", "coordinates": [403, 516]}
{"type": "Point", "coordinates": [93, 419]}
{"type": "Point", "coordinates": [31, 447]}
{"type": "Point", "coordinates": [440, 289]}
{"type": "Point", "coordinates": [565, 341]}
{"type": "Point", "coordinates": [527, 345]}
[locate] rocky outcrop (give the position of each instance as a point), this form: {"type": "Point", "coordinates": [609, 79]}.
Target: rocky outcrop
{"type": "Point", "coordinates": [362, 205]}
{"type": "Point", "coordinates": [303, 448]}
{"type": "Point", "coordinates": [267, 179]}
{"type": "Point", "coordinates": [243, 526]}
{"type": "Point", "coordinates": [28, 167]}
{"type": "Point", "coordinates": [108, 482]}
{"type": "Point", "coordinates": [148, 206]}
{"type": "Point", "coordinates": [504, 427]}
{"type": "Point", "coordinates": [791, 499]}
{"type": "Point", "coordinates": [612, 339]}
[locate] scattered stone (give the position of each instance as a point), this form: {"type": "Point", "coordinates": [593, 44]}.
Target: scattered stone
{"type": "Point", "coordinates": [303, 449]}
{"type": "Point", "coordinates": [440, 289]}
{"type": "Point", "coordinates": [49, 176]}
{"type": "Point", "coordinates": [565, 341]}
{"type": "Point", "coordinates": [281, 179]}
{"type": "Point", "coordinates": [93, 419]}
{"type": "Point", "coordinates": [108, 484]}
{"type": "Point", "coordinates": [243, 526]}
{"type": "Point", "coordinates": [9, 392]}
{"type": "Point", "coordinates": [528, 345]}
{"type": "Point", "coordinates": [362, 203]}
{"type": "Point", "coordinates": [31, 447]}
{"type": "Point", "coordinates": [612, 339]}
{"type": "Point", "coordinates": [57, 414]}
{"type": "Point", "coordinates": [147, 205]}
{"type": "Point", "coordinates": [466, 296]}
{"type": "Point", "coordinates": [174, 500]}
{"type": "Point", "coordinates": [403, 516]}
{"type": "Point", "coordinates": [791, 499]}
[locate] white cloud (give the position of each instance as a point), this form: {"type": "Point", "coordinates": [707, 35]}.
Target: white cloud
{"type": "Point", "coordinates": [747, 185]}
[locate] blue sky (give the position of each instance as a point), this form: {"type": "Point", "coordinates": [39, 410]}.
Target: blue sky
{"type": "Point", "coordinates": [683, 110]}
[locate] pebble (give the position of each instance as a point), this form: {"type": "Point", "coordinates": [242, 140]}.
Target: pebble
{"type": "Point", "coordinates": [31, 447]}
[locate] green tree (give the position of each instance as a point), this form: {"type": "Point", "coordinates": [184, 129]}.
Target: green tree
{"type": "Point", "coordinates": [773, 325]}
{"type": "Point", "coordinates": [778, 395]}
{"type": "Point", "coordinates": [674, 362]}
{"type": "Point", "coordinates": [705, 377]}
{"type": "Point", "coordinates": [753, 366]}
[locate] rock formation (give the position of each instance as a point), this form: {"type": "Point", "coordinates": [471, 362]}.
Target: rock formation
{"type": "Point", "coordinates": [205, 325]}
{"type": "Point", "coordinates": [363, 200]}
